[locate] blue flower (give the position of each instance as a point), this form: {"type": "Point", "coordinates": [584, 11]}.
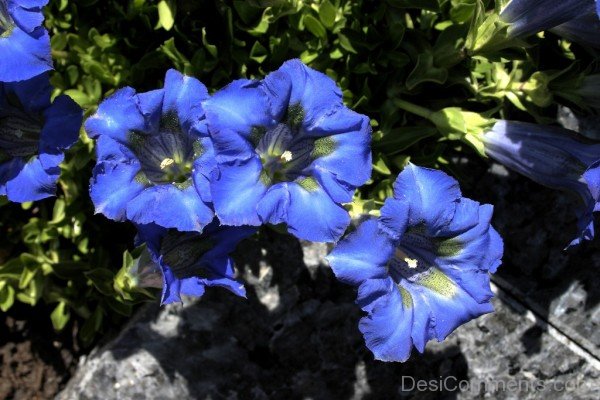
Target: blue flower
{"type": "Point", "coordinates": [584, 29]}
{"type": "Point", "coordinates": [423, 268]}
{"type": "Point", "coordinates": [192, 261]}
{"type": "Point", "coordinates": [553, 157]}
{"type": "Point", "coordinates": [24, 42]}
{"type": "Point", "coordinates": [569, 17]}
{"type": "Point", "coordinates": [288, 151]}
{"type": "Point", "coordinates": [34, 133]}
{"type": "Point", "coordinates": [154, 156]}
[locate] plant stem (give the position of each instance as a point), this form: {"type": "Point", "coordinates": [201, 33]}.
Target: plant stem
{"type": "Point", "coordinates": [413, 108]}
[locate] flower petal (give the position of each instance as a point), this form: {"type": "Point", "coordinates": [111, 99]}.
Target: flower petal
{"type": "Point", "coordinates": [184, 95]}
{"type": "Point", "coordinates": [225, 239]}
{"type": "Point", "coordinates": [346, 154]}
{"type": "Point", "coordinates": [273, 207]}
{"type": "Point", "coordinates": [8, 170]}
{"type": "Point", "coordinates": [583, 29]}
{"type": "Point", "coordinates": [387, 328]}
{"type": "Point", "coordinates": [236, 191]}
{"type": "Point", "coordinates": [339, 191]}
{"type": "Point", "coordinates": [24, 55]}
{"type": "Point", "coordinates": [231, 148]}
{"type": "Point", "coordinates": [61, 129]}
{"type": "Point", "coordinates": [527, 17]}
{"type": "Point", "coordinates": [327, 221]}
{"type": "Point", "coordinates": [33, 182]}
{"type": "Point", "coordinates": [117, 116]}
{"type": "Point", "coordinates": [432, 196]}
{"type": "Point", "coordinates": [238, 107]}
{"type": "Point", "coordinates": [394, 217]}
{"type": "Point", "coordinates": [173, 288]}
{"type": "Point", "coordinates": [170, 207]}
{"type": "Point", "coordinates": [317, 93]}
{"type": "Point", "coordinates": [113, 186]}
{"type": "Point", "coordinates": [361, 255]}
{"type": "Point", "coordinates": [26, 18]}
{"type": "Point", "coordinates": [446, 302]}
{"type": "Point", "coordinates": [592, 178]}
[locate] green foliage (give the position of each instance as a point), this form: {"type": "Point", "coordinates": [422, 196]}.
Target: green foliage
{"type": "Point", "coordinates": [449, 59]}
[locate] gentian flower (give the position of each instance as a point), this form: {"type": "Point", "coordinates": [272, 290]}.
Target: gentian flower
{"type": "Point", "coordinates": [288, 151]}
{"type": "Point", "coordinates": [34, 133]}
{"type": "Point", "coordinates": [553, 157]}
{"type": "Point", "coordinates": [154, 156]}
{"type": "Point", "coordinates": [584, 29]}
{"type": "Point", "coordinates": [24, 42]}
{"type": "Point", "coordinates": [422, 269]}
{"type": "Point", "coordinates": [192, 261]}
{"type": "Point", "coordinates": [576, 20]}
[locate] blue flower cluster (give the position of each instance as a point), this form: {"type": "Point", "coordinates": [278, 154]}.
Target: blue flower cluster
{"type": "Point", "coordinates": [283, 150]}
{"type": "Point", "coordinates": [198, 173]}
{"type": "Point", "coordinates": [34, 131]}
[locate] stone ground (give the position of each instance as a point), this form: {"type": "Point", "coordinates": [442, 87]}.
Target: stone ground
{"type": "Point", "coordinates": [296, 336]}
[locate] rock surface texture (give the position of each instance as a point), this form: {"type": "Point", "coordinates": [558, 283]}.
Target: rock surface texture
{"type": "Point", "coordinates": [296, 336]}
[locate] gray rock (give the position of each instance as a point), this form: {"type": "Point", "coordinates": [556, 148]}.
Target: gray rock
{"type": "Point", "coordinates": [562, 286]}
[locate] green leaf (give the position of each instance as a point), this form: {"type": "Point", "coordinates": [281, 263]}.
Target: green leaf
{"type": "Point", "coordinates": [59, 41]}
{"type": "Point", "coordinates": [119, 307]}
{"type": "Point", "coordinates": [246, 11]}
{"type": "Point", "coordinates": [327, 14]}
{"type": "Point", "coordinates": [60, 316]}
{"type": "Point", "coordinates": [426, 71]}
{"type": "Point", "coordinates": [179, 59]}
{"type": "Point", "coordinates": [346, 44]}
{"type": "Point", "coordinates": [431, 5]}
{"type": "Point", "coordinates": [258, 52]}
{"type": "Point", "coordinates": [92, 325]}
{"type": "Point", "coordinates": [11, 270]}
{"type": "Point", "coordinates": [212, 49]}
{"type": "Point", "coordinates": [380, 165]}
{"type": "Point", "coordinates": [314, 26]}
{"type": "Point", "coordinates": [58, 214]}
{"type": "Point", "coordinates": [166, 14]}
{"type": "Point", "coordinates": [102, 279]}
{"type": "Point", "coordinates": [399, 139]}
{"type": "Point", "coordinates": [7, 298]}
{"type": "Point", "coordinates": [462, 10]}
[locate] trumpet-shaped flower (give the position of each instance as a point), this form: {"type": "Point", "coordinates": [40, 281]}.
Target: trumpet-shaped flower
{"type": "Point", "coordinates": [288, 151]}
{"type": "Point", "coordinates": [34, 133]}
{"type": "Point", "coordinates": [192, 261]}
{"type": "Point", "coordinates": [423, 268]}
{"type": "Point", "coordinates": [527, 17]}
{"type": "Point", "coordinates": [583, 29]}
{"type": "Point", "coordinates": [575, 20]}
{"type": "Point", "coordinates": [553, 157]}
{"type": "Point", "coordinates": [24, 42]}
{"type": "Point", "coordinates": [154, 156]}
